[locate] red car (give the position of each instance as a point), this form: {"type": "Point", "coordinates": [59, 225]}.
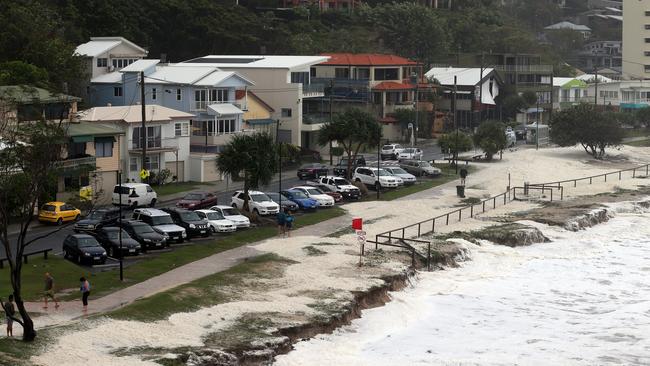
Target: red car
{"type": "Point", "coordinates": [336, 195]}
{"type": "Point", "coordinates": [197, 200]}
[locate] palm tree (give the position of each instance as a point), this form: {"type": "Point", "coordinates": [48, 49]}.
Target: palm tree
{"type": "Point", "coordinates": [253, 158]}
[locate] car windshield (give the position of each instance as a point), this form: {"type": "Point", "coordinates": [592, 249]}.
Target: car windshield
{"type": "Point", "coordinates": [324, 189]}
{"type": "Point", "coordinates": [214, 216]}
{"type": "Point", "coordinates": [49, 208]}
{"type": "Point", "coordinates": [230, 212]}
{"type": "Point", "coordinates": [189, 216]}
{"type": "Point", "coordinates": [115, 234]}
{"type": "Point", "coordinates": [192, 197]}
{"type": "Point", "coordinates": [424, 164]}
{"type": "Point", "coordinates": [97, 215]}
{"type": "Point", "coordinates": [162, 220]}
{"type": "Point", "coordinates": [382, 172]}
{"type": "Point", "coordinates": [341, 182]}
{"type": "Point", "coordinates": [299, 195]}
{"type": "Point", "coordinates": [260, 197]}
{"type": "Point", "coordinates": [398, 171]}
{"type": "Point", "coordinates": [121, 189]}
{"type": "Point", "coordinates": [387, 147]}
{"type": "Point", "coordinates": [142, 229]}
{"type": "Point", "coordinates": [314, 191]}
{"type": "Point", "coordinates": [409, 150]}
{"type": "Point", "coordinates": [310, 166]}
{"type": "Point", "coordinates": [87, 242]}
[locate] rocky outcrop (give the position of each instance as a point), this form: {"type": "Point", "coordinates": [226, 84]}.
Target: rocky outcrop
{"type": "Point", "coordinates": [512, 235]}
{"type": "Point", "coordinates": [591, 218]}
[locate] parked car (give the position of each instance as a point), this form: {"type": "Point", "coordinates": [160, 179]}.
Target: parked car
{"type": "Point", "coordinates": [96, 219]}
{"type": "Point", "coordinates": [134, 194]}
{"type": "Point", "coordinates": [258, 202]}
{"type": "Point", "coordinates": [193, 224]}
{"type": "Point", "coordinates": [283, 201]}
{"type": "Point", "coordinates": [304, 202]}
{"type": "Point", "coordinates": [373, 177]}
{"type": "Point", "coordinates": [109, 238]}
{"type": "Point", "coordinates": [342, 186]}
{"type": "Point", "coordinates": [391, 151]}
{"type": "Point", "coordinates": [342, 166]}
{"type": "Point", "coordinates": [406, 177]}
{"type": "Point", "coordinates": [58, 213]}
{"type": "Point", "coordinates": [218, 223]}
{"type": "Point", "coordinates": [420, 168]}
{"type": "Point", "coordinates": [232, 214]}
{"type": "Point", "coordinates": [83, 248]}
{"type": "Point", "coordinates": [312, 170]}
{"type": "Point", "coordinates": [410, 153]}
{"type": "Point", "coordinates": [144, 234]}
{"type": "Point", "coordinates": [162, 222]}
{"type": "Point", "coordinates": [197, 200]}
{"type": "Point", "coordinates": [314, 193]}
{"type": "Point", "coordinates": [336, 195]}
{"type": "Point", "coordinates": [511, 137]}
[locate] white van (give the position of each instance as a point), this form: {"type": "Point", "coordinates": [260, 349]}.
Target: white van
{"type": "Point", "coordinates": [134, 194]}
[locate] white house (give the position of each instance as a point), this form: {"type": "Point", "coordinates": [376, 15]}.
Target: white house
{"type": "Point", "coordinates": [168, 139]}
{"type": "Point", "coordinates": [621, 95]}
{"type": "Point", "coordinates": [568, 92]}
{"type": "Point", "coordinates": [107, 54]}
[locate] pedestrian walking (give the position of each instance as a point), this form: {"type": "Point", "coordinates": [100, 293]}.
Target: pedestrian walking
{"type": "Point", "coordinates": [288, 222]}
{"type": "Point", "coordinates": [85, 292]}
{"type": "Point", "coordinates": [463, 175]}
{"type": "Point", "coordinates": [281, 219]}
{"type": "Point", "coordinates": [9, 315]}
{"type": "Point", "coordinates": [49, 290]}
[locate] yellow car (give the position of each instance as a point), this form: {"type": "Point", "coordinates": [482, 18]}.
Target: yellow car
{"type": "Point", "coordinates": [58, 212]}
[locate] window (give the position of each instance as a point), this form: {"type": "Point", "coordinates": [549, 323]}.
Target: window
{"type": "Point", "coordinates": [225, 126]}
{"type": "Point", "coordinates": [182, 129]}
{"type": "Point", "coordinates": [647, 26]}
{"type": "Point", "coordinates": [286, 112]}
{"type": "Point", "coordinates": [104, 147]}
{"type": "Point", "coordinates": [342, 73]}
{"type": "Point", "coordinates": [152, 162]}
{"type": "Point", "coordinates": [386, 74]}
{"type": "Point", "coordinates": [219, 95]}
{"type": "Point", "coordinates": [153, 137]}
{"type": "Point", "coordinates": [312, 72]}
{"type": "Point", "coordinates": [179, 94]}
{"type": "Point", "coordinates": [363, 74]}
{"type": "Point", "coordinates": [647, 40]}
{"type": "Point", "coordinates": [154, 93]}
{"type": "Point", "coordinates": [646, 53]}
{"type": "Point", "coordinates": [300, 77]}
{"type": "Point", "coordinates": [646, 68]}
{"type": "Point", "coordinates": [647, 13]}
{"type": "Point", "coordinates": [133, 164]}
{"type": "Point", "coordinates": [117, 91]}
{"type": "Point", "coordinates": [102, 62]}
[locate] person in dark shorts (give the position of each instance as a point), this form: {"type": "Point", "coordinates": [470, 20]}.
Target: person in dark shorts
{"type": "Point", "coordinates": [85, 292]}
{"type": "Point", "coordinates": [49, 290]}
{"type": "Point", "coordinates": [463, 175]}
{"type": "Point", "coordinates": [9, 315]}
{"type": "Point", "coordinates": [281, 217]}
{"type": "Point", "coordinates": [288, 222]}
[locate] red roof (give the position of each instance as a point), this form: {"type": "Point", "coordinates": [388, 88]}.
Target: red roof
{"type": "Point", "coordinates": [366, 59]}
{"type": "Point", "coordinates": [393, 85]}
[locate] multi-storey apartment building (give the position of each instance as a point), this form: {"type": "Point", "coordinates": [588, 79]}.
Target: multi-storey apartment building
{"type": "Point", "coordinates": [636, 39]}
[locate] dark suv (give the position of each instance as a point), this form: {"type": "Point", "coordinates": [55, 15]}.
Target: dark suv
{"type": "Point", "coordinates": [83, 248]}
{"type": "Point", "coordinates": [97, 219]}
{"type": "Point", "coordinates": [144, 234]}
{"type": "Point", "coordinates": [342, 166]}
{"type": "Point", "coordinates": [190, 221]}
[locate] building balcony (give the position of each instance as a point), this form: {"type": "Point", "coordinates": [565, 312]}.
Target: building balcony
{"type": "Point", "coordinates": [202, 105]}
{"type": "Point", "coordinates": [154, 145]}
{"type": "Point", "coordinates": [78, 162]}
{"type": "Point", "coordinates": [525, 68]}
{"type": "Point", "coordinates": [391, 107]}
{"type": "Point", "coordinates": [313, 90]}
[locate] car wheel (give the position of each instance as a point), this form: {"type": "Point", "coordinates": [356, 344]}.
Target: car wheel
{"type": "Point", "coordinates": [357, 180]}
{"type": "Point", "coordinates": [76, 218]}
{"type": "Point", "coordinates": [65, 254]}
{"type": "Point", "coordinates": [181, 240]}
{"type": "Point", "coordinates": [134, 205]}
{"type": "Point", "coordinates": [213, 230]}
{"type": "Point", "coordinates": [256, 212]}
{"type": "Point", "coordinates": [234, 205]}
{"type": "Point", "coordinates": [111, 252]}
{"type": "Point", "coordinates": [59, 221]}
{"type": "Point", "coordinates": [377, 186]}
{"type": "Point", "coordinates": [153, 203]}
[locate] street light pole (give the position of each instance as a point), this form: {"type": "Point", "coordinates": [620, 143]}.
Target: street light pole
{"type": "Point", "coordinates": [537, 126]}
{"type": "Point", "coordinates": [119, 181]}
{"type": "Point", "coordinates": [456, 123]}
{"type": "Point", "coordinates": [277, 140]}
{"type": "Point", "coordinates": [144, 127]}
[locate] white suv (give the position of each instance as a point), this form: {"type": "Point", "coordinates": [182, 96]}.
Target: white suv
{"type": "Point", "coordinates": [161, 222]}
{"type": "Point", "coordinates": [411, 153]}
{"type": "Point", "coordinates": [314, 193]}
{"type": "Point", "coordinates": [258, 202]}
{"type": "Point", "coordinates": [134, 194]}
{"type": "Point", "coordinates": [391, 151]}
{"type": "Point", "coordinates": [373, 177]}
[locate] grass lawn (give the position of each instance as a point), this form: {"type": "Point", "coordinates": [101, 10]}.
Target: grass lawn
{"type": "Point", "coordinates": [641, 143]}
{"type": "Point", "coordinates": [171, 188]}
{"type": "Point", "coordinates": [636, 132]}
{"type": "Point", "coordinates": [67, 274]}
{"type": "Point", "coordinates": [448, 175]}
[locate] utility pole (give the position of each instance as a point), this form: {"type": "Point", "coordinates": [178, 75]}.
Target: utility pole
{"type": "Point", "coordinates": [480, 91]}
{"type": "Point", "coordinates": [119, 181]}
{"type": "Point", "coordinates": [537, 128]}
{"type": "Point", "coordinates": [596, 88]}
{"type": "Point", "coordinates": [143, 133]}
{"type": "Point", "coordinates": [414, 79]}
{"type": "Point", "coordinates": [277, 141]}
{"type": "Point", "coordinates": [331, 114]}
{"type": "Point", "coordinates": [456, 123]}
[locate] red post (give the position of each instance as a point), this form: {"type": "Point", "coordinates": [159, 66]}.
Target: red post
{"type": "Point", "coordinates": [357, 223]}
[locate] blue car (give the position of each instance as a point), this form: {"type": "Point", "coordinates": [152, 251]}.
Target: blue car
{"type": "Point", "coordinates": [305, 203]}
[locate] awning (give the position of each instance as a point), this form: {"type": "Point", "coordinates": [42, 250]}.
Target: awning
{"type": "Point", "coordinates": [223, 109]}
{"type": "Point", "coordinates": [260, 121]}
{"type": "Point", "coordinates": [83, 138]}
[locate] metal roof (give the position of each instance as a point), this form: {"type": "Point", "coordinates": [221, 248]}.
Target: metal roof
{"type": "Point", "coordinates": [464, 76]}
{"type": "Point", "coordinates": [256, 61]}
{"type": "Point", "coordinates": [366, 59]}
{"type": "Point", "coordinates": [569, 25]}
{"type": "Point", "coordinates": [99, 45]}
{"type": "Point", "coordinates": [132, 114]}
{"type": "Point", "coordinates": [222, 109]}
{"type": "Point", "coordinates": [26, 94]}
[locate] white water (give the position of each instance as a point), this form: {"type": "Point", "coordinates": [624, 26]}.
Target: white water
{"type": "Point", "coordinates": [583, 299]}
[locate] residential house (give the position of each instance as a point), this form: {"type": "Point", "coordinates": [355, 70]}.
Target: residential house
{"type": "Point", "coordinates": [27, 103]}
{"type": "Point", "coordinates": [568, 92]}
{"type": "Point", "coordinates": [564, 25]}
{"type": "Point", "coordinates": [258, 116]}
{"type": "Point", "coordinates": [377, 83]}
{"type": "Point", "coordinates": [624, 95]}
{"type": "Point", "coordinates": [601, 54]}
{"type": "Point", "coordinates": [105, 55]}
{"type": "Point", "coordinates": [91, 161]}
{"type": "Point", "coordinates": [636, 39]}
{"type": "Point", "coordinates": [475, 97]}
{"type": "Point", "coordinates": [206, 92]}
{"type": "Point", "coordinates": [283, 82]}
{"type": "Point", "coordinates": [168, 141]}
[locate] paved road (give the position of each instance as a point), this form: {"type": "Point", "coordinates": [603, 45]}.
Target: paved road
{"type": "Point", "coordinates": [55, 240]}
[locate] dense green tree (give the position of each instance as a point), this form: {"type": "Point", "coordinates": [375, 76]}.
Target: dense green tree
{"type": "Point", "coordinates": [448, 143]}
{"type": "Point", "coordinates": [22, 73]}
{"type": "Point", "coordinates": [252, 158]}
{"type": "Point", "coordinates": [491, 138]}
{"type": "Point", "coordinates": [585, 125]}
{"type": "Point", "coordinates": [565, 42]}
{"type": "Point", "coordinates": [352, 130]}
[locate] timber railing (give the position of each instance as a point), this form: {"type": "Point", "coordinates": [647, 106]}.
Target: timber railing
{"type": "Point", "coordinates": [26, 255]}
